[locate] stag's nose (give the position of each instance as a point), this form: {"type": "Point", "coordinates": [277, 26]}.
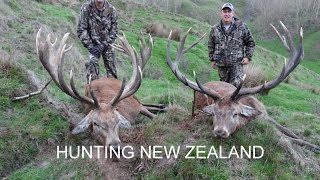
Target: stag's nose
{"type": "Point", "coordinates": [221, 133]}
{"type": "Point", "coordinates": [115, 145]}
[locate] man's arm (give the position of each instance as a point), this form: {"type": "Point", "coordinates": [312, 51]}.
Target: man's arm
{"type": "Point", "coordinates": [211, 45]}
{"type": "Point", "coordinates": [83, 26]}
{"type": "Point", "coordinates": [113, 29]}
{"type": "Point", "coordinates": [211, 49]}
{"type": "Point", "coordinates": [249, 43]}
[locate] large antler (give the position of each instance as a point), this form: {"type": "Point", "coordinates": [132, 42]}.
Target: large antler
{"type": "Point", "coordinates": [145, 52]}
{"type": "Point", "coordinates": [51, 56]}
{"type": "Point", "coordinates": [295, 58]}
{"type": "Point", "coordinates": [174, 67]}
{"type": "Point", "coordinates": [135, 80]}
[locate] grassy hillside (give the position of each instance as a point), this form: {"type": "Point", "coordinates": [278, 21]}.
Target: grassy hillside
{"type": "Point", "coordinates": [311, 50]}
{"type": "Point", "coordinates": [32, 135]}
{"type": "Point", "coordinates": [205, 10]}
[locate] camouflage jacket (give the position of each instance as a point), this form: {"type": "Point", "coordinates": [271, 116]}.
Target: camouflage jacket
{"type": "Point", "coordinates": [229, 47]}
{"type": "Point", "coordinates": [97, 26]}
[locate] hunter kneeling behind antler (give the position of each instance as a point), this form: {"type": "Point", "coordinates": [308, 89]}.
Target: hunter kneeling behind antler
{"type": "Point", "coordinates": [232, 107]}
{"type": "Point", "coordinates": [109, 103]}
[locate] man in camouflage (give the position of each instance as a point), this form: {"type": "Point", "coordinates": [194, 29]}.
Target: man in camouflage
{"type": "Point", "coordinates": [97, 29]}
{"type": "Point", "coordinates": [231, 46]}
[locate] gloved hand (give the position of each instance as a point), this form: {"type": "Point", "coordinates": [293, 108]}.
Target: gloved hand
{"type": "Point", "coordinates": [96, 50]}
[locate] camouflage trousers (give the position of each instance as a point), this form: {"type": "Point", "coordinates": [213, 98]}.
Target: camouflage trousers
{"type": "Point", "coordinates": [92, 67]}
{"type": "Point", "coordinates": [231, 74]}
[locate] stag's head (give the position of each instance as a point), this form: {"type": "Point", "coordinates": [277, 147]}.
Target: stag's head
{"type": "Point", "coordinates": [105, 122]}
{"type": "Point", "coordinates": [227, 109]}
{"type": "Point", "coordinates": [104, 118]}
{"type": "Point", "coordinates": [228, 114]}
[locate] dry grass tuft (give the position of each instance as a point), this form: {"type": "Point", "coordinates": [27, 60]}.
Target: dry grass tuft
{"type": "Point", "coordinates": [254, 76]}
{"type": "Point", "coordinates": [152, 73]}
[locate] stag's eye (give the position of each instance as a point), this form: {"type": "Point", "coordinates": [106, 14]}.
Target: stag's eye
{"type": "Point", "coordinates": [99, 126]}
{"type": "Point", "coordinates": [235, 115]}
{"type": "Point", "coordinates": [209, 113]}
{"type": "Point", "coordinates": [96, 124]}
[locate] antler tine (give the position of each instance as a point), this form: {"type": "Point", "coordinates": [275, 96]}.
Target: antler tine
{"type": "Point", "coordinates": [55, 41]}
{"type": "Point", "coordinates": [142, 42]}
{"type": "Point", "coordinates": [194, 44]}
{"type": "Point", "coordinates": [235, 93]}
{"type": "Point", "coordinates": [181, 46]}
{"type": "Point", "coordinates": [174, 68]}
{"type": "Point", "coordinates": [33, 93]}
{"type": "Point", "coordinates": [135, 86]}
{"type": "Point", "coordinates": [150, 40]}
{"type": "Point", "coordinates": [63, 42]}
{"type": "Point", "coordinates": [68, 49]}
{"type": "Point", "coordinates": [43, 51]}
{"type": "Point", "coordinates": [169, 37]}
{"type": "Point", "coordinates": [52, 59]}
{"type": "Point", "coordinates": [301, 36]}
{"type": "Point", "coordinates": [135, 80]}
{"type": "Point", "coordinates": [117, 47]}
{"type": "Point", "coordinates": [145, 52]}
{"type": "Point", "coordinates": [38, 40]}
{"type": "Point", "coordinates": [49, 39]}
{"type": "Point", "coordinates": [120, 96]}
{"type": "Point", "coordinates": [208, 91]}
{"type": "Point", "coordinates": [300, 40]}
{"type": "Point", "coordinates": [125, 48]}
{"type": "Point", "coordinates": [291, 44]}
{"type": "Point", "coordinates": [61, 81]}
{"type": "Point", "coordinates": [64, 87]}
{"type": "Point", "coordinates": [295, 58]}
{"type": "Point", "coordinates": [96, 102]}
{"type": "Point", "coordinates": [116, 100]}
{"type": "Point", "coordinates": [282, 38]}
{"type": "Point", "coordinates": [79, 97]}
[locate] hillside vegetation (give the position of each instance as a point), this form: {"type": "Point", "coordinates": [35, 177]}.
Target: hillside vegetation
{"type": "Point", "coordinates": [31, 129]}
{"type": "Point", "coordinates": [205, 10]}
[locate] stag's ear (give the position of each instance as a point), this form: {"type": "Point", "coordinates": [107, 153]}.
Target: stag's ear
{"type": "Point", "coordinates": [82, 126]}
{"type": "Point", "coordinates": [248, 111]}
{"type": "Point", "coordinates": [123, 122]}
{"type": "Point", "coordinates": [208, 109]}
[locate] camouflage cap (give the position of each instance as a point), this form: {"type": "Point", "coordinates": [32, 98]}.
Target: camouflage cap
{"type": "Point", "coordinates": [227, 5]}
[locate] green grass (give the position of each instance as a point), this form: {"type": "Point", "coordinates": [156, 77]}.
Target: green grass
{"type": "Point", "coordinates": [311, 50]}
{"type": "Point", "coordinates": [29, 123]}
{"type": "Point", "coordinates": [65, 169]}
{"type": "Point", "coordinates": [283, 97]}
{"type": "Point", "coordinates": [274, 164]}
{"type": "Point", "coordinates": [289, 104]}
{"type": "Point", "coordinates": [204, 10]}
{"type": "Point", "coordinates": [55, 12]}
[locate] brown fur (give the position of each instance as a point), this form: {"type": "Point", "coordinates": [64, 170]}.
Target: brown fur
{"type": "Point", "coordinates": [175, 35]}
{"type": "Point", "coordinates": [254, 76]}
{"type": "Point", "coordinates": [225, 89]}
{"type": "Point", "coordinates": [227, 107]}
{"type": "Point", "coordinates": [161, 30]}
{"type": "Point", "coordinates": [107, 88]}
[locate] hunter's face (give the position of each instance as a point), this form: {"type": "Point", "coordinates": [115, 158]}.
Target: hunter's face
{"type": "Point", "coordinates": [99, 1]}
{"type": "Point", "coordinates": [226, 15]}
